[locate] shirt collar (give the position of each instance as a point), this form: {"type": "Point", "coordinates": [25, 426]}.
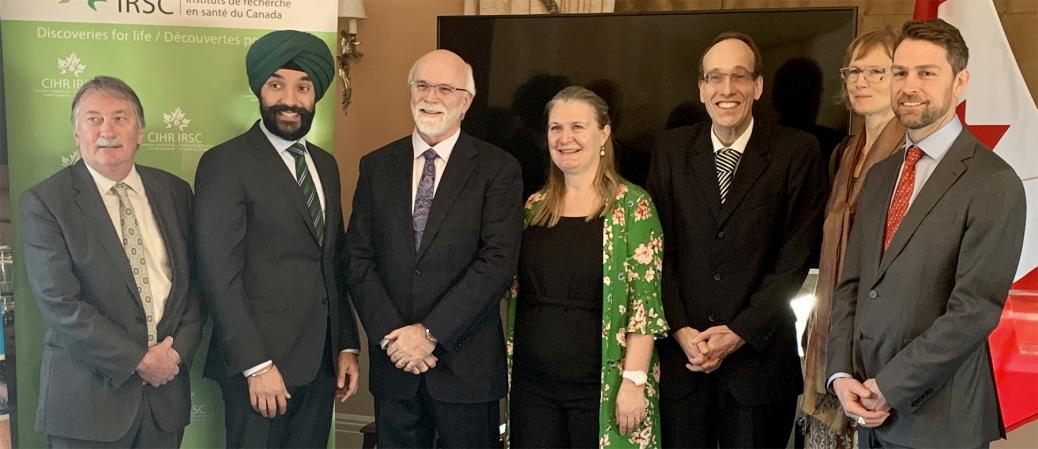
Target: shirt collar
{"type": "Point", "coordinates": [740, 143]}
{"type": "Point", "coordinates": [442, 149]}
{"type": "Point", "coordinates": [104, 185]}
{"type": "Point", "coordinates": [937, 144]}
{"type": "Point", "coordinates": [279, 143]}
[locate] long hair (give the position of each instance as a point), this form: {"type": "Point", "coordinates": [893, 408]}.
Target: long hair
{"type": "Point", "coordinates": [607, 180]}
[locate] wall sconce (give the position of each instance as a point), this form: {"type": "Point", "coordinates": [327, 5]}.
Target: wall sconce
{"type": "Point", "coordinates": [354, 11]}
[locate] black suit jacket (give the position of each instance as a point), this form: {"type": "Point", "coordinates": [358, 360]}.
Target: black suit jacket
{"type": "Point", "coordinates": [453, 284]}
{"type": "Point", "coordinates": [271, 289]}
{"type": "Point", "coordinates": [917, 317]}
{"type": "Point", "coordinates": [96, 333]}
{"type": "Point", "coordinates": [740, 263]}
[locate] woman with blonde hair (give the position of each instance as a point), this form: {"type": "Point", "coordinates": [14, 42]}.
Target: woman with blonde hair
{"type": "Point", "coordinates": [866, 76]}
{"type": "Point", "coordinates": [585, 308]}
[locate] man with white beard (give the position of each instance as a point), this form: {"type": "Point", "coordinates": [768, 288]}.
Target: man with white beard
{"type": "Point", "coordinates": [433, 243]}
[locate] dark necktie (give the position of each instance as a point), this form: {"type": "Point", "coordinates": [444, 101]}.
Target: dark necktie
{"type": "Point", "coordinates": [424, 196]}
{"type": "Point", "coordinates": [902, 195]}
{"type": "Point", "coordinates": [306, 183]}
{"type": "Point", "coordinates": [726, 161]}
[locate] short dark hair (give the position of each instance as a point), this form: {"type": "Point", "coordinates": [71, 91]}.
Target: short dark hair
{"type": "Point", "coordinates": [112, 86]}
{"type": "Point", "coordinates": [758, 63]}
{"type": "Point", "coordinates": [940, 33]}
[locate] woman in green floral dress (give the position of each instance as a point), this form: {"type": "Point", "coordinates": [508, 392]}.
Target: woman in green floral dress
{"type": "Point", "coordinates": [585, 308]}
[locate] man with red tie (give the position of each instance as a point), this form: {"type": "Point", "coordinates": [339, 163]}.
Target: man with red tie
{"type": "Point", "coordinates": [929, 262]}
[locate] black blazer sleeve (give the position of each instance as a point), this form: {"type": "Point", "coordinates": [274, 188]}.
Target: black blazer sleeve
{"type": "Point", "coordinates": [220, 223]}
{"type": "Point", "coordinates": [808, 191]}
{"type": "Point", "coordinates": [660, 191]}
{"type": "Point", "coordinates": [493, 267]}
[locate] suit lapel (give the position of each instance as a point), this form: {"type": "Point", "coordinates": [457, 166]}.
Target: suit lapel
{"type": "Point", "coordinates": [400, 181]}
{"type": "Point", "coordinates": [161, 208]}
{"type": "Point", "coordinates": [944, 175]}
{"type": "Point", "coordinates": [751, 165]}
{"type": "Point", "coordinates": [90, 204]}
{"type": "Point", "coordinates": [279, 174]}
{"type": "Point", "coordinates": [701, 161]}
{"type": "Point", "coordinates": [457, 173]}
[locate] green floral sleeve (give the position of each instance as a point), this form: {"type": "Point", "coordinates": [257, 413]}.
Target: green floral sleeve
{"type": "Point", "coordinates": [644, 266]}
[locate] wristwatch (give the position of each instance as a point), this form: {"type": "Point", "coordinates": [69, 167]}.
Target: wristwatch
{"type": "Point", "coordinates": [636, 377]}
{"type": "Point", "coordinates": [429, 336]}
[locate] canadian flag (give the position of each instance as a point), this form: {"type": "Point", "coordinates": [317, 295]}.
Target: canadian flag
{"type": "Point", "coordinates": [998, 109]}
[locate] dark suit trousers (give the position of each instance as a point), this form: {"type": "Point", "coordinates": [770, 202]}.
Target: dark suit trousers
{"type": "Point", "coordinates": [709, 417]}
{"type": "Point", "coordinates": [424, 422]}
{"type": "Point", "coordinates": [144, 433]}
{"type": "Point", "coordinates": [867, 439]}
{"type": "Point", "coordinates": [306, 423]}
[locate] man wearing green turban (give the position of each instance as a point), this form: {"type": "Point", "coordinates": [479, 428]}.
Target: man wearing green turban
{"type": "Point", "coordinates": [269, 243]}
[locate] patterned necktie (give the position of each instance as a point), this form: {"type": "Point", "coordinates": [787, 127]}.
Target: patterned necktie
{"type": "Point", "coordinates": [133, 244]}
{"type": "Point", "coordinates": [726, 161]}
{"type": "Point", "coordinates": [902, 195]}
{"type": "Point", "coordinates": [306, 182]}
{"type": "Point", "coordinates": [424, 196]}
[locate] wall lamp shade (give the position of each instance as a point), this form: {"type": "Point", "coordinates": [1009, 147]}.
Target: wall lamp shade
{"type": "Point", "coordinates": [353, 9]}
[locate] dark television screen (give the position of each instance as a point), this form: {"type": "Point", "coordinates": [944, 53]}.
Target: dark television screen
{"type": "Point", "coordinates": [646, 66]}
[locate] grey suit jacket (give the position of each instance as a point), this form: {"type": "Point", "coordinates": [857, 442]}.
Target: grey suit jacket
{"type": "Point", "coordinates": [917, 318]}
{"type": "Point", "coordinates": [96, 333]}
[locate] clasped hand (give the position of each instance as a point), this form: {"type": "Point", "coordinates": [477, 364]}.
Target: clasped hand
{"type": "Point", "coordinates": [863, 403]}
{"type": "Point", "coordinates": [160, 364]}
{"type": "Point", "coordinates": [410, 350]}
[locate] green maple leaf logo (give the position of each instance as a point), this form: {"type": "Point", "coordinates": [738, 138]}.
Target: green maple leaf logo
{"type": "Point", "coordinates": [90, 3]}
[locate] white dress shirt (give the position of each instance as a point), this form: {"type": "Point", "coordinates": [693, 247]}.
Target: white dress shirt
{"type": "Point", "coordinates": [160, 274]}
{"type": "Point", "coordinates": [443, 154]}
{"type": "Point", "coordinates": [740, 142]}
{"type": "Point", "coordinates": [934, 147]}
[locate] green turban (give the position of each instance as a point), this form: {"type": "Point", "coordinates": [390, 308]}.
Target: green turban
{"type": "Point", "coordinates": [290, 47]}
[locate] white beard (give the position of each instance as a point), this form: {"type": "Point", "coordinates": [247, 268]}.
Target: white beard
{"type": "Point", "coordinates": [435, 126]}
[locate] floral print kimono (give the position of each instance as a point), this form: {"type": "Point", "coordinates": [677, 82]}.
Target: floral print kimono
{"type": "Point", "coordinates": [632, 262]}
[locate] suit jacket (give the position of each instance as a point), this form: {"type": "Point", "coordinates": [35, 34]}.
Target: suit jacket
{"type": "Point", "coordinates": [454, 282]}
{"type": "Point", "coordinates": [274, 293]}
{"type": "Point", "coordinates": [740, 263]}
{"type": "Point", "coordinates": [96, 332]}
{"type": "Point", "coordinates": [917, 317]}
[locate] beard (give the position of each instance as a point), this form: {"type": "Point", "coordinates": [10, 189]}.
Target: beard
{"type": "Point", "coordinates": [930, 114]}
{"type": "Point", "coordinates": [435, 126]}
{"type": "Point", "coordinates": [287, 131]}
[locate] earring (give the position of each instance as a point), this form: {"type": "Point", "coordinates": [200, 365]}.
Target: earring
{"type": "Point", "coordinates": [601, 151]}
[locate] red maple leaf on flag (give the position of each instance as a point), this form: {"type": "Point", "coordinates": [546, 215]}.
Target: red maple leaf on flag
{"type": "Point", "coordinates": [989, 135]}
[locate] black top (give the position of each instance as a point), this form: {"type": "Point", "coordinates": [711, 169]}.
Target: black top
{"type": "Point", "coordinates": [558, 326]}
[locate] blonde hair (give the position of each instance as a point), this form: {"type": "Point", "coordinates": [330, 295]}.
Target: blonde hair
{"type": "Point", "coordinates": [607, 180]}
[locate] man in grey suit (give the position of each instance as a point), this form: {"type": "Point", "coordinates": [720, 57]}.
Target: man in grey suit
{"type": "Point", "coordinates": [107, 249]}
{"type": "Point", "coordinates": [929, 263]}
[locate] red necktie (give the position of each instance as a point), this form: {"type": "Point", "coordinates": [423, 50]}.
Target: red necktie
{"type": "Point", "coordinates": [902, 195]}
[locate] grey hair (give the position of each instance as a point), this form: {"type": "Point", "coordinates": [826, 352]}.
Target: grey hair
{"type": "Point", "coordinates": [112, 86]}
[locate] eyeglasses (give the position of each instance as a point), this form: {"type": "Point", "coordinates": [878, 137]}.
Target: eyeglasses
{"type": "Point", "coordinates": [872, 74]}
{"type": "Point", "coordinates": [443, 90]}
{"type": "Point", "coordinates": [737, 77]}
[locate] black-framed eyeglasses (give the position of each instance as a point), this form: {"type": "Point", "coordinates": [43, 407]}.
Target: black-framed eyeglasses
{"type": "Point", "coordinates": [872, 74]}
{"type": "Point", "coordinates": [737, 77]}
{"type": "Point", "coordinates": [442, 90]}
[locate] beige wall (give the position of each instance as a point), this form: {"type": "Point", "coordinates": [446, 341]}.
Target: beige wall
{"type": "Point", "coordinates": [397, 32]}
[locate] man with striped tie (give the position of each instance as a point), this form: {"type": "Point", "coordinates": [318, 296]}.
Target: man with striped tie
{"type": "Point", "coordinates": [269, 235]}
{"type": "Point", "coordinates": [741, 205]}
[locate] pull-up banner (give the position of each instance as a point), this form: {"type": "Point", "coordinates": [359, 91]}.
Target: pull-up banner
{"type": "Point", "coordinates": [186, 60]}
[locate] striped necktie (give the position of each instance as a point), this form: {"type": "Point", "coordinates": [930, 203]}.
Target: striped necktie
{"type": "Point", "coordinates": [306, 183]}
{"type": "Point", "coordinates": [726, 161]}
